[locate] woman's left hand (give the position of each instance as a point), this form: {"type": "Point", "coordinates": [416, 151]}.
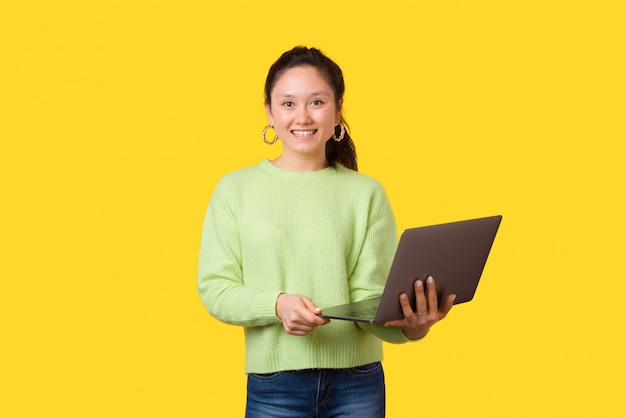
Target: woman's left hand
{"type": "Point", "coordinates": [415, 325]}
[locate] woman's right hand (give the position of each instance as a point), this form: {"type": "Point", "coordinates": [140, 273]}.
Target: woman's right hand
{"type": "Point", "coordinates": [299, 314]}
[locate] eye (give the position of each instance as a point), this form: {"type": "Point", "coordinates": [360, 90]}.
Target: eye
{"type": "Point", "coordinates": [287, 104]}
{"type": "Point", "coordinates": [317, 103]}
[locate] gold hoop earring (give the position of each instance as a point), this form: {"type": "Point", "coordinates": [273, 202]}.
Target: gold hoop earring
{"type": "Point", "coordinates": [265, 139]}
{"type": "Point", "coordinates": [341, 134]}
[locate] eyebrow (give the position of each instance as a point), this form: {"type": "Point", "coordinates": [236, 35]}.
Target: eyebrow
{"type": "Point", "coordinates": [316, 93]}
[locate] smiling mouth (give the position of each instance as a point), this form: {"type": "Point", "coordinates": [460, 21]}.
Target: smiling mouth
{"type": "Point", "coordinates": [304, 133]}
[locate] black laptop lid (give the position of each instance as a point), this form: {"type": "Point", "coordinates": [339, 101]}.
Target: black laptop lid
{"type": "Point", "coordinates": [453, 253]}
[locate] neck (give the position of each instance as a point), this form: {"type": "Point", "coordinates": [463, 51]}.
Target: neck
{"type": "Point", "coordinates": [301, 165]}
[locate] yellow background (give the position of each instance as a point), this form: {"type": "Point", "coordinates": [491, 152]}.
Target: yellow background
{"type": "Point", "coordinates": [117, 118]}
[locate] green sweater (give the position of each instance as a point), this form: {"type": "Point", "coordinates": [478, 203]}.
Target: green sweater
{"type": "Point", "coordinates": [329, 235]}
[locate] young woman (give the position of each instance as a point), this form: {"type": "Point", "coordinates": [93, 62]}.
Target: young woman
{"type": "Point", "coordinates": [284, 237]}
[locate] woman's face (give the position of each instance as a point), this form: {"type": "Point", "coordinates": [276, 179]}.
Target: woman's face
{"type": "Point", "coordinates": [304, 113]}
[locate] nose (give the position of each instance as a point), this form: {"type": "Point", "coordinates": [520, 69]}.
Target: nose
{"type": "Point", "coordinates": [303, 115]}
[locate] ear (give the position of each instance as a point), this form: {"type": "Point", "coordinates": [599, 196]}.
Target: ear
{"type": "Point", "coordinates": [339, 107]}
{"type": "Point", "coordinates": [268, 112]}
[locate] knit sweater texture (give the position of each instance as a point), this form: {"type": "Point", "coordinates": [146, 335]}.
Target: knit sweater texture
{"type": "Point", "coordinates": [329, 235]}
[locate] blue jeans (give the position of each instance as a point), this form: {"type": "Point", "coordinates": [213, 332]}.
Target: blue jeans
{"type": "Point", "coordinates": [318, 393]}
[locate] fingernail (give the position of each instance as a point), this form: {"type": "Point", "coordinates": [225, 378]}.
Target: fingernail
{"type": "Point", "coordinates": [419, 283]}
{"type": "Point", "coordinates": [430, 279]}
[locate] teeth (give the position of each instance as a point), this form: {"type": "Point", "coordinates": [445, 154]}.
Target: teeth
{"type": "Point", "coordinates": [303, 133]}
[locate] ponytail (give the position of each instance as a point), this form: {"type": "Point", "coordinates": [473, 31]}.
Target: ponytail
{"type": "Point", "coordinates": [342, 152]}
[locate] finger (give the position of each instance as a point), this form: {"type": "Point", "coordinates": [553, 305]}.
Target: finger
{"type": "Point", "coordinates": [316, 311]}
{"type": "Point", "coordinates": [310, 315]}
{"type": "Point", "coordinates": [421, 306]}
{"type": "Point", "coordinates": [407, 310]}
{"type": "Point", "coordinates": [395, 323]}
{"type": "Point", "coordinates": [322, 321]}
{"type": "Point", "coordinates": [311, 306]}
{"type": "Point", "coordinates": [432, 295]}
{"type": "Point", "coordinates": [299, 327]}
{"type": "Point", "coordinates": [310, 319]}
{"type": "Point", "coordinates": [314, 322]}
{"type": "Point", "coordinates": [447, 305]}
{"type": "Point", "coordinates": [301, 319]}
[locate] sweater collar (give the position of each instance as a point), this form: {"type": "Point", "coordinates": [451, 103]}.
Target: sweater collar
{"type": "Point", "coordinates": [267, 165]}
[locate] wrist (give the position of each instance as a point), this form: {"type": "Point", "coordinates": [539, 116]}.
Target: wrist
{"type": "Point", "coordinates": [276, 305]}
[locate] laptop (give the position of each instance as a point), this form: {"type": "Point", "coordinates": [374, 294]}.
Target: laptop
{"type": "Point", "coordinates": [453, 253]}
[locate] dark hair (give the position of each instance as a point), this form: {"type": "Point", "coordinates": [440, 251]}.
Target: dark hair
{"type": "Point", "coordinates": [342, 152]}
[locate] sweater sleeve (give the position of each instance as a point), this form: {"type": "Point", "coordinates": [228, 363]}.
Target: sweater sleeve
{"type": "Point", "coordinates": [374, 262]}
{"type": "Point", "coordinates": [220, 277]}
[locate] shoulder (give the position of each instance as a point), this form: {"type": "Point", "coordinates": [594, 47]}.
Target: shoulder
{"type": "Point", "coordinates": [233, 184]}
{"type": "Point", "coordinates": [363, 191]}
{"type": "Point", "coordinates": [240, 176]}
{"type": "Point", "coordinates": [360, 180]}
{"type": "Point", "coordinates": [243, 173]}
